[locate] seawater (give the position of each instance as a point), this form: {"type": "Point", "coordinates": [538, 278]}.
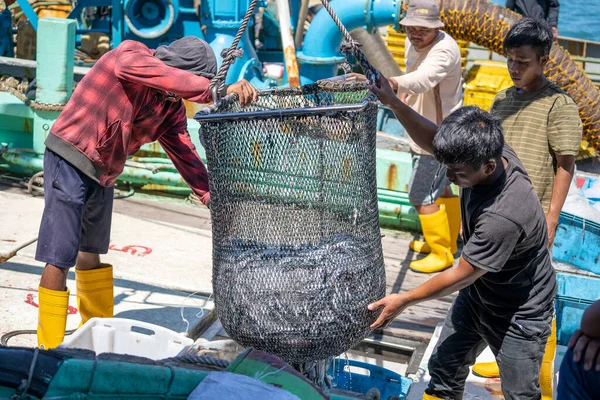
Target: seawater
{"type": "Point", "coordinates": [576, 18]}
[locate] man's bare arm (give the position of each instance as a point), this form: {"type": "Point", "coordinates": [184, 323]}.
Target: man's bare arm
{"type": "Point", "coordinates": [443, 284]}
{"type": "Point", "coordinates": [562, 181]}
{"type": "Point", "coordinates": [420, 129]}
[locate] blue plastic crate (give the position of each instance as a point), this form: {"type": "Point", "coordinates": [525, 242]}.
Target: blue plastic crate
{"type": "Point", "coordinates": [575, 293]}
{"type": "Point", "coordinates": [359, 377]}
{"type": "Point", "coordinates": [577, 243]}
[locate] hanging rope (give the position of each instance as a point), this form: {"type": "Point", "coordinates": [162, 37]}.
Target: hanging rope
{"type": "Point", "coordinates": [229, 55]}
{"type": "Point", "coordinates": [351, 46]}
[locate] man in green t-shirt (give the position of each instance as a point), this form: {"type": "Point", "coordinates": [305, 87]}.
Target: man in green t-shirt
{"type": "Point", "coordinates": [541, 123]}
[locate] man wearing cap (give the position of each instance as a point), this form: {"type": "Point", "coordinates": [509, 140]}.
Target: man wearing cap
{"type": "Point", "coordinates": [432, 87]}
{"type": "Point", "coordinates": [132, 96]}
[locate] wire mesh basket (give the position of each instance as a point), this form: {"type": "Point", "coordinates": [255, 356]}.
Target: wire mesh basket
{"type": "Point", "coordinates": [296, 242]}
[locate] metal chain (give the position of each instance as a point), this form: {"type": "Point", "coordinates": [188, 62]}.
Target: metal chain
{"type": "Point", "coordinates": [351, 46]}
{"type": "Point", "coordinates": [229, 55]}
{"type": "Point", "coordinates": [14, 87]}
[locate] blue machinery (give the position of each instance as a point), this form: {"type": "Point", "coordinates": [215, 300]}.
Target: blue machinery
{"type": "Point", "coordinates": [155, 22]}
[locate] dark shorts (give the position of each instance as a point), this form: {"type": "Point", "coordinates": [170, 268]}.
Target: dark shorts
{"type": "Point", "coordinates": [77, 214]}
{"type": "Point", "coordinates": [427, 181]}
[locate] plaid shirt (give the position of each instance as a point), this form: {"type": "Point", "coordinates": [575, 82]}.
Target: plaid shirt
{"type": "Point", "coordinates": [130, 98]}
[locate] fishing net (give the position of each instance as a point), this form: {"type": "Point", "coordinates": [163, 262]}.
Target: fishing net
{"type": "Point", "coordinates": [296, 242]}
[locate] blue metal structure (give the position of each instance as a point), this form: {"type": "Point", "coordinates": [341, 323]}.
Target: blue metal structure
{"type": "Point", "coordinates": [6, 42]}
{"type": "Point", "coordinates": [156, 22]}
{"type": "Point", "coordinates": [321, 53]}
{"type": "Point", "coordinates": [222, 20]}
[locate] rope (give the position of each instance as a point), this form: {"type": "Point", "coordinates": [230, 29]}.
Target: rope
{"type": "Point", "coordinates": [21, 392]}
{"type": "Point", "coordinates": [197, 360]}
{"type": "Point", "coordinates": [37, 178]}
{"type": "Point", "coordinates": [9, 335]}
{"type": "Point", "coordinates": [351, 46]}
{"type": "Point", "coordinates": [14, 87]}
{"type": "Point", "coordinates": [229, 55]}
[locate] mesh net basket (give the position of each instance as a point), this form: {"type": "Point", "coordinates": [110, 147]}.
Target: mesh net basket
{"type": "Point", "coordinates": [296, 242]}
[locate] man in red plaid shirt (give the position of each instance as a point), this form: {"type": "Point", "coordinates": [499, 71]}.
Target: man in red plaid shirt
{"type": "Point", "coordinates": [132, 96]}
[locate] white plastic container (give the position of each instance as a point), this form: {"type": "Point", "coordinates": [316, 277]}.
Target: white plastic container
{"type": "Point", "coordinates": [127, 336]}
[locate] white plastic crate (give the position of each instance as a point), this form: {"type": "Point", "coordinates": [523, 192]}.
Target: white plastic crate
{"type": "Point", "coordinates": [127, 336]}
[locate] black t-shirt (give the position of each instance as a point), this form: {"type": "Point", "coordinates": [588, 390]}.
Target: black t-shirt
{"type": "Point", "coordinates": [505, 232]}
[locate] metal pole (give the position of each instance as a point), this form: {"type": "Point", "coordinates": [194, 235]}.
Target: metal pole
{"type": "Point", "coordinates": [301, 21]}
{"type": "Point", "coordinates": [287, 41]}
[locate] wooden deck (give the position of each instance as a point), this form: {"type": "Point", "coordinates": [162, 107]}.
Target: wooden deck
{"type": "Point", "coordinates": [419, 321]}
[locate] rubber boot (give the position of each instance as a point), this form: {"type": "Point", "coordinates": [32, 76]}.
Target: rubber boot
{"type": "Point", "coordinates": [487, 369]}
{"type": "Point", "coordinates": [420, 246]}
{"type": "Point", "coordinates": [95, 293]}
{"type": "Point", "coordinates": [453, 210]}
{"type": "Point", "coordinates": [491, 370]}
{"type": "Point", "coordinates": [437, 235]}
{"type": "Point", "coordinates": [430, 397]}
{"type": "Point", "coordinates": [547, 370]}
{"type": "Point", "coordinates": [52, 317]}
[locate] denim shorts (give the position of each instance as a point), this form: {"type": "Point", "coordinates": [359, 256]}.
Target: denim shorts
{"type": "Point", "coordinates": [427, 181]}
{"type": "Point", "coordinates": [77, 214]}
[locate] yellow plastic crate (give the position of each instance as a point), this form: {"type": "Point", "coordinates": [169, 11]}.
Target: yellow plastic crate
{"type": "Point", "coordinates": [395, 44]}
{"type": "Point", "coordinates": [484, 80]}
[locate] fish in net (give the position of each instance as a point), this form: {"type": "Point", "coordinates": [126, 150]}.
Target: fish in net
{"type": "Point", "coordinates": [296, 242]}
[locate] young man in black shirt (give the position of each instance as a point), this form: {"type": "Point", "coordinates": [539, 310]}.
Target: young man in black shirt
{"type": "Point", "coordinates": [505, 278]}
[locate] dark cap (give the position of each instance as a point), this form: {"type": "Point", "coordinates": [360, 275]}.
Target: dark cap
{"type": "Point", "coordinates": [190, 53]}
{"type": "Point", "coordinates": [424, 13]}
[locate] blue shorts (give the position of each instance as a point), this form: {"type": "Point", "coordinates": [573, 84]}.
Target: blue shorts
{"type": "Point", "coordinates": [77, 214]}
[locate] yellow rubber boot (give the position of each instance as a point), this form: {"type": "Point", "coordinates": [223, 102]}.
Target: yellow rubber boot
{"type": "Point", "coordinates": [421, 246]}
{"type": "Point", "coordinates": [547, 370]}
{"type": "Point", "coordinates": [95, 293]}
{"type": "Point", "coordinates": [437, 235]}
{"type": "Point", "coordinates": [487, 369]}
{"type": "Point", "coordinates": [453, 211]}
{"type": "Point", "coordinates": [491, 370]}
{"type": "Point", "coordinates": [430, 397]}
{"type": "Point", "coordinates": [52, 317]}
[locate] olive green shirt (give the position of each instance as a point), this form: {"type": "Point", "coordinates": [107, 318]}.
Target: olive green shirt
{"type": "Point", "coordinates": [539, 126]}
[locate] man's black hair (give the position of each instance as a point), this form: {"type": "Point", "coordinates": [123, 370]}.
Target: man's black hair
{"type": "Point", "coordinates": [530, 32]}
{"type": "Point", "coordinates": [469, 136]}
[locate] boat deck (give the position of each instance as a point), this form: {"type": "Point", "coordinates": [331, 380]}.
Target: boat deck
{"type": "Point", "coordinates": [162, 247]}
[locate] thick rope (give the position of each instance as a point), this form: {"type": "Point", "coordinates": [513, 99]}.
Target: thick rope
{"type": "Point", "coordinates": [21, 392]}
{"type": "Point", "coordinates": [197, 360]}
{"type": "Point", "coordinates": [217, 84]}
{"type": "Point", "coordinates": [16, 88]}
{"type": "Point", "coordinates": [351, 46]}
